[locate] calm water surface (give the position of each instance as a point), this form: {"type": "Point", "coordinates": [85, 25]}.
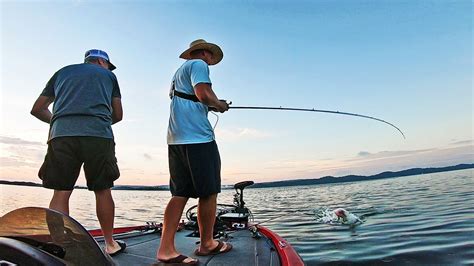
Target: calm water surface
{"type": "Point", "coordinates": [415, 220]}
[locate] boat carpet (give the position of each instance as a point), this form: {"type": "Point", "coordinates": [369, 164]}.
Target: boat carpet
{"type": "Point", "coordinates": [141, 250]}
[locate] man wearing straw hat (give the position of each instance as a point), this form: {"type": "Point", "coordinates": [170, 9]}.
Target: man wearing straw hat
{"type": "Point", "coordinates": [194, 159]}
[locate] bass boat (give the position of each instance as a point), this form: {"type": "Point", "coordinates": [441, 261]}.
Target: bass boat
{"type": "Point", "coordinates": [41, 236]}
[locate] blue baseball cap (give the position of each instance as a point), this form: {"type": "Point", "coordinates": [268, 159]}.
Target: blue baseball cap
{"type": "Point", "coordinates": [100, 54]}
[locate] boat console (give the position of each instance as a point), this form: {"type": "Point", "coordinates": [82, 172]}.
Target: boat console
{"type": "Point", "coordinates": [41, 236]}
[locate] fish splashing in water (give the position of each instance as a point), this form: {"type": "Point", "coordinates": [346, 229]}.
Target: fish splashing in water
{"type": "Point", "coordinates": [338, 216]}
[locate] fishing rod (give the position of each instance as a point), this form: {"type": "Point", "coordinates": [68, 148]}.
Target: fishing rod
{"type": "Point", "coordinates": [315, 110]}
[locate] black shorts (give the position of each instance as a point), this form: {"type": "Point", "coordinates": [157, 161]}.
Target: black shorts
{"type": "Point", "coordinates": [66, 155]}
{"type": "Point", "coordinates": [195, 170]}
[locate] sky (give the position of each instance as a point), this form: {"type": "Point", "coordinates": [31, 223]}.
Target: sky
{"type": "Point", "coordinates": [407, 62]}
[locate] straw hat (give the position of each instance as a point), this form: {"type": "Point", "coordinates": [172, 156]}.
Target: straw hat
{"type": "Point", "coordinates": [198, 44]}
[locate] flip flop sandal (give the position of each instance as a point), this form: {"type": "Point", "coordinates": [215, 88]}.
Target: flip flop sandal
{"type": "Point", "coordinates": [179, 260]}
{"type": "Point", "coordinates": [216, 250]}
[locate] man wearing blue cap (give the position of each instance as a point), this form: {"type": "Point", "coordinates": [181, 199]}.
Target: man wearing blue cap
{"type": "Point", "coordinates": [87, 101]}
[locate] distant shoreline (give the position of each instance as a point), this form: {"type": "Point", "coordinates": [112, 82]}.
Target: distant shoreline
{"type": "Point", "coordinates": [296, 182]}
{"type": "Point", "coordinates": [357, 178]}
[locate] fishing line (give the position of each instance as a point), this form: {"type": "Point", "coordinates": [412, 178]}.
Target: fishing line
{"type": "Point", "coordinates": [315, 110]}
{"type": "Point", "coordinates": [217, 117]}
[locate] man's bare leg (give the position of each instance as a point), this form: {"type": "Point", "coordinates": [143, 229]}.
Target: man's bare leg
{"type": "Point", "coordinates": [105, 209]}
{"type": "Point", "coordinates": [173, 212]}
{"type": "Point", "coordinates": [206, 219]}
{"type": "Point", "coordinates": [60, 201]}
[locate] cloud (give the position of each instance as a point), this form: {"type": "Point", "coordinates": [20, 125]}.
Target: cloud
{"type": "Point", "coordinates": [291, 164]}
{"type": "Point", "coordinates": [20, 156]}
{"type": "Point", "coordinates": [365, 155]}
{"type": "Point", "coordinates": [463, 142]}
{"type": "Point", "coordinates": [18, 141]}
{"type": "Point", "coordinates": [367, 163]}
{"type": "Point", "coordinates": [16, 162]}
{"type": "Point", "coordinates": [233, 172]}
{"type": "Point", "coordinates": [234, 134]}
{"type": "Point", "coordinates": [371, 163]}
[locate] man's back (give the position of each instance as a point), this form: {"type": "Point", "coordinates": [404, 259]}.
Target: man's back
{"type": "Point", "coordinates": [86, 102]}
{"type": "Point", "coordinates": [82, 106]}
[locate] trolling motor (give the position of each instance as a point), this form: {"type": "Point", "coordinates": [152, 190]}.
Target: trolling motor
{"type": "Point", "coordinates": [228, 217]}
{"type": "Point", "coordinates": [238, 218]}
{"type": "Point", "coordinates": [239, 196]}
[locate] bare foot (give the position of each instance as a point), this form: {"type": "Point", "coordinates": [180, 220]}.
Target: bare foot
{"type": "Point", "coordinates": [115, 248]}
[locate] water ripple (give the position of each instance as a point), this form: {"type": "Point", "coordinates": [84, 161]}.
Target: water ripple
{"type": "Point", "coordinates": [415, 220]}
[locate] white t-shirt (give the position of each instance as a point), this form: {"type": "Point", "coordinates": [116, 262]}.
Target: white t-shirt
{"type": "Point", "coordinates": [188, 123]}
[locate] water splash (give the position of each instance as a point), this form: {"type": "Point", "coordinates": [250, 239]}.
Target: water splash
{"type": "Point", "coordinates": [337, 216]}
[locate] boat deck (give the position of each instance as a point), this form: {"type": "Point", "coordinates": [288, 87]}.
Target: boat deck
{"type": "Point", "coordinates": [141, 249]}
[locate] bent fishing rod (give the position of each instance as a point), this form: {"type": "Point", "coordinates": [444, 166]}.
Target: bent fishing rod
{"type": "Point", "coordinates": [314, 110]}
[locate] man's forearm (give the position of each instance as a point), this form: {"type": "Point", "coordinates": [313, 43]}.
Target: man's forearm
{"type": "Point", "coordinates": [43, 115]}
{"type": "Point", "coordinates": [206, 95]}
{"type": "Point", "coordinates": [40, 109]}
{"type": "Point", "coordinates": [116, 119]}
{"type": "Point", "coordinates": [117, 111]}
{"type": "Point", "coordinates": [210, 100]}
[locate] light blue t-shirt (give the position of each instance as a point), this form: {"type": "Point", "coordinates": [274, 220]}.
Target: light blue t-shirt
{"type": "Point", "coordinates": [188, 123]}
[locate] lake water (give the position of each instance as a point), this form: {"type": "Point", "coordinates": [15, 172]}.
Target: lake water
{"type": "Point", "coordinates": [424, 219]}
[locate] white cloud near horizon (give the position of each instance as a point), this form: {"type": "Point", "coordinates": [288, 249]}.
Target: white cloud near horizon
{"type": "Point", "coordinates": [463, 142]}
{"type": "Point", "coordinates": [18, 141]}
{"type": "Point", "coordinates": [366, 163]}
{"type": "Point", "coordinates": [20, 159]}
{"type": "Point", "coordinates": [235, 134]}
{"type": "Point", "coordinates": [17, 152]}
